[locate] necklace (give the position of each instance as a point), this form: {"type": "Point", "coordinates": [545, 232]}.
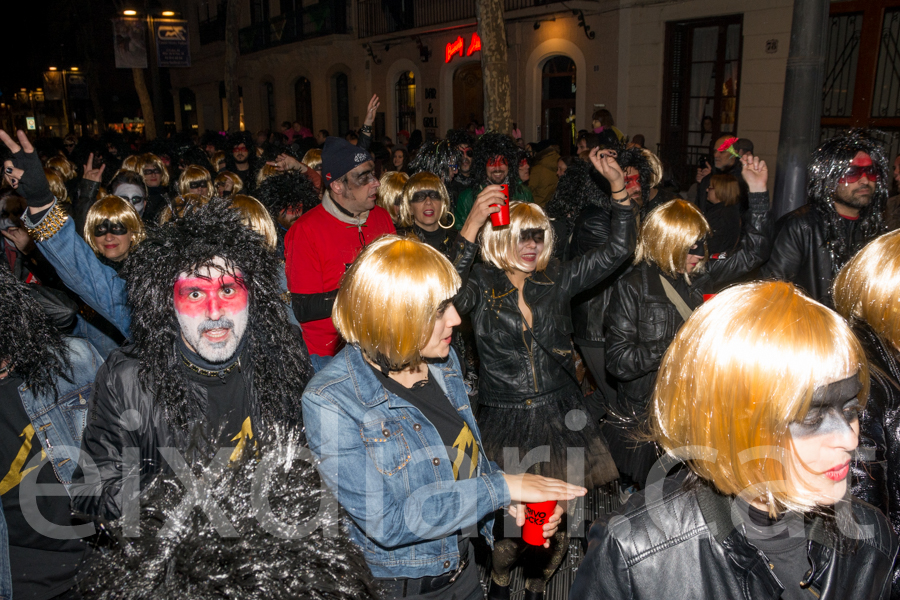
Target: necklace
{"type": "Point", "coordinates": [207, 372]}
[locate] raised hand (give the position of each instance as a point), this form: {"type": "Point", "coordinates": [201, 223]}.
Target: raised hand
{"type": "Point", "coordinates": [26, 170]}
{"type": "Point", "coordinates": [487, 202]}
{"type": "Point", "coordinates": [605, 163]}
{"type": "Point", "coordinates": [286, 162]}
{"type": "Point", "coordinates": [755, 173]}
{"type": "Point", "coordinates": [702, 173]}
{"type": "Point", "coordinates": [374, 103]}
{"type": "Point", "coordinates": [90, 173]}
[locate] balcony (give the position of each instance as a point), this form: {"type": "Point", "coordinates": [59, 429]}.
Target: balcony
{"type": "Point", "coordinates": [324, 18]}
{"type": "Point", "coordinates": [378, 17]}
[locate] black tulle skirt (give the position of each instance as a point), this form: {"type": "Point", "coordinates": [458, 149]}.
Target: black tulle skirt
{"type": "Point", "coordinates": [513, 427]}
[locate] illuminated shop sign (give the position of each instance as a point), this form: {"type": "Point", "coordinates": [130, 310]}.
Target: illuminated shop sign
{"type": "Point", "coordinates": [456, 47]}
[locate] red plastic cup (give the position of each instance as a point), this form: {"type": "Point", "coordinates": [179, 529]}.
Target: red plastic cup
{"type": "Point", "coordinates": [499, 219]}
{"type": "Point", "coordinates": [535, 516]}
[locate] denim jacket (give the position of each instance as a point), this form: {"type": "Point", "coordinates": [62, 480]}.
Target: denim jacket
{"type": "Point", "coordinates": [390, 470]}
{"type": "Point", "coordinates": [58, 421]}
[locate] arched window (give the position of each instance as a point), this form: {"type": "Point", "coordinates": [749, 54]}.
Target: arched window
{"type": "Point", "coordinates": [405, 91]}
{"type": "Point", "coordinates": [558, 101]}
{"type": "Point", "coordinates": [303, 102]}
{"type": "Point", "coordinates": [187, 102]}
{"type": "Point", "coordinates": [340, 86]}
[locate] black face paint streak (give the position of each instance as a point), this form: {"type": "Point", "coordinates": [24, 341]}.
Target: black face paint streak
{"type": "Point", "coordinates": [833, 410]}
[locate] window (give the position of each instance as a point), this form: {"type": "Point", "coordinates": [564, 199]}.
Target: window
{"type": "Point", "coordinates": [405, 91]}
{"type": "Point", "coordinates": [224, 102]}
{"type": "Point", "coordinates": [259, 11]}
{"type": "Point", "coordinates": [340, 88]}
{"type": "Point", "coordinates": [303, 102]}
{"type": "Point", "coordinates": [701, 90]}
{"type": "Point", "coordinates": [558, 101]}
{"type": "Point", "coordinates": [187, 101]}
{"type": "Point", "coordinates": [269, 89]}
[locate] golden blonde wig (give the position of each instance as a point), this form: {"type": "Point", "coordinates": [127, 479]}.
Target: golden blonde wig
{"type": "Point", "coordinates": [63, 166]}
{"type": "Point", "coordinates": [57, 185]}
{"type": "Point", "coordinates": [218, 157]}
{"type": "Point", "coordinates": [667, 235]}
{"type": "Point", "coordinates": [132, 162]}
{"type": "Point", "coordinates": [738, 373]}
{"type": "Point", "coordinates": [728, 192]}
{"type": "Point", "coordinates": [313, 159]}
{"type": "Point", "coordinates": [390, 192]}
{"type": "Point", "coordinates": [389, 299]}
{"type": "Point", "coordinates": [256, 217]}
{"type": "Point", "coordinates": [656, 168]}
{"type": "Point", "coordinates": [500, 246]}
{"type": "Point", "coordinates": [265, 172]}
{"type": "Point", "coordinates": [152, 160]}
{"type": "Point", "coordinates": [421, 182]}
{"type": "Point", "coordinates": [868, 287]}
{"type": "Point", "coordinates": [117, 211]}
{"type": "Point", "coordinates": [181, 204]}
{"type": "Point", "coordinates": [236, 181]}
{"type": "Point", "coordinates": [194, 174]}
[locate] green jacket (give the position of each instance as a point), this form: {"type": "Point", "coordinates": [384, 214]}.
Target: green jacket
{"type": "Point", "coordinates": [467, 199]}
{"type": "Point", "coordinates": [543, 176]}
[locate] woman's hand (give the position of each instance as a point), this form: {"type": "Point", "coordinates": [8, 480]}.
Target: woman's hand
{"type": "Point", "coordinates": [755, 173]}
{"type": "Point", "coordinates": [535, 488]}
{"type": "Point", "coordinates": [605, 163]}
{"type": "Point", "coordinates": [487, 202]}
{"type": "Point", "coordinates": [25, 172]}
{"type": "Point", "coordinates": [21, 239]}
{"type": "Point", "coordinates": [90, 173]}
{"type": "Point", "coordinates": [286, 162]}
{"type": "Point", "coordinates": [374, 103]}
{"type": "Point", "coordinates": [550, 526]}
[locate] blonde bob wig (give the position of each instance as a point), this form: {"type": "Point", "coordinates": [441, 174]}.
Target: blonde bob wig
{"type": "Point", "coordinates": [116, 210]}
{"type": "Point", "coordinates": [236, 182]}
{"type": "Point", "coordinates": [390, 192]}
{"type": "Point", "coordinates": [132, 162]}
{"type": "Point", "coordinates": [738, 373]}
{"type": "Point", "coordinates": [667, 236]}
{"type": "Point", "coordinates": [500, 246]}
{"type": "Point", "coordinates": [57, 184]}
{"type": "Point", "coordinates": [257, 218]}
{"type": "Point", "coordinates": [152, 160]}
{"type": "Point", "coordinates": [63, 166]}
{"type": "Point", "coordinates": [313, 158]}
{"type": "Point", "coordinates": [868, 287]}
{"type": "Point", "coordinates": [182, 204]}
{"type": "Point", "coordinates": [195, 174]}
{"type": "Point", "coordinates": [421, 182]}
{"type": "Point", "coordinates": [389, 300]}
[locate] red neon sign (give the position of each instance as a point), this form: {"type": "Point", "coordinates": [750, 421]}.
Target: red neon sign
{"type": "Point", "coordinates": [456, 47]}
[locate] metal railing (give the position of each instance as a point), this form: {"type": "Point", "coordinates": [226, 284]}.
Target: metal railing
{"type": "Point", "coordinates": [377, 17]}
{"type": "Point", "coordinates": [324, 18]}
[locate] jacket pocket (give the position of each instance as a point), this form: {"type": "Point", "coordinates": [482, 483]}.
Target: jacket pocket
{"type": "Point", "coordinates": [74, 407]}
{"type": "Point", "coordinates": [386, 445]}
{"type": "Point", "coordinates": [652, 323]}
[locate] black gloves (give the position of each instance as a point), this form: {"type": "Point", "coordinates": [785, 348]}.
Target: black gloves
{"type": "Point", "coordinates": [33, 184]}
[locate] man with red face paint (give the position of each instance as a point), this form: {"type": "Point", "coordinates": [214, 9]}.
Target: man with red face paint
{"type": "Point", "coordinates": [496, 162]}
{"type": "Point", "coordinates": [848, 188]}
{"type": "Point", "coordinates": [214, 362]}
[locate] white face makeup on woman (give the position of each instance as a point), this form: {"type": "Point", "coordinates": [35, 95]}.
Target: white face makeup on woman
{"type": "Point", "coordinates": [133, 194]}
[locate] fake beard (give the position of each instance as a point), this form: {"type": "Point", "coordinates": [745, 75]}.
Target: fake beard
{"type": "Point", "coordinates": [203, 335]}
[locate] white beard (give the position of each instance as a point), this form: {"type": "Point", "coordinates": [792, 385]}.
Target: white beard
{"type": "Point", "coordinates": [192, 328]}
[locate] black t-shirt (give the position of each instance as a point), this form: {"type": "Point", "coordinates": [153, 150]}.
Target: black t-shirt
{"type": "Point", "coordinates": [42, 567]}
{"type": "Point", "coordinates": [430, 399]}
{"type": "Point", "coordinates": [783, 541]}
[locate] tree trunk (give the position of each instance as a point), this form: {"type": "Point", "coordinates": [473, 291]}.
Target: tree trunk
{"type": "Point", "coordinates": [232, 50]}
{"type": "Point", "coordinates": [146, 105]}
{"type": "Point", "coordinates": [494, 65]}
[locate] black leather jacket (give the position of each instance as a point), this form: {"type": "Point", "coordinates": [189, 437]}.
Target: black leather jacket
{"type": "Point", "coordinates": [799, 253]}
{"type": "Point", "coordinates": [513, 370]}
{"type": "Point", "coordinates": [641, 321]}
{"type": "Point", "coordinates": [876, 478]}
{"type": "Point", "coordinates": [119, 402]}
{"type": "Point", "coordinates": [684, 544]}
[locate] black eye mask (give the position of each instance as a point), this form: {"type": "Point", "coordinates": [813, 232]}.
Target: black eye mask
{"type": "Point", "coordinates": [834, 408]}
{"type": "Point", "coordinates": [531, 234]}
{"type": "Point", "coordinates": [107, 226]}
{"type": "Point", "coordinates": [700, 249]}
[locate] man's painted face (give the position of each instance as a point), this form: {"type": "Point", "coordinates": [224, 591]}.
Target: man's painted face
{"type": "Point", "coordinates": [497, 169]}
{"type": "Point", "coordinates": [213, 310]}
{"type": "Point", "coordinates": [633, 185]}
{"type": "Point", "coordinates": [240, 153]}
{"type": "Point", "coordinates": [857, 186]}
{"type": "Point", "coordinates": [465, 161]}
{"type": "Point", "coordinates": [134, 194]}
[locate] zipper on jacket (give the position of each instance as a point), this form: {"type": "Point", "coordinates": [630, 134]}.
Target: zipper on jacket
{"type": "Point", "coordinates": [525, 341]}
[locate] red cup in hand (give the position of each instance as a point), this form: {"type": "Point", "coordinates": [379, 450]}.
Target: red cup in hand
{"type": "Point", "coordinates": [535, 516]}
{"type": "Point", "coordinates": [499, 219]}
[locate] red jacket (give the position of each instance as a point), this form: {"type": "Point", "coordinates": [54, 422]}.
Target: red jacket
{"type": "Point", "coordinates": [318, 248]}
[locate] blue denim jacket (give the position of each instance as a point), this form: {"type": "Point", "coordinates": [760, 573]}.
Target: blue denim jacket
{"type": "Point", "coordinates": [390, 471]}
{"type": "Point", "coordinates": [59, 422]}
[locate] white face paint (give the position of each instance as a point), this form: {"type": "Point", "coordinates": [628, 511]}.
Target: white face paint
{"type": "Point", "coordinates": [133, 194]}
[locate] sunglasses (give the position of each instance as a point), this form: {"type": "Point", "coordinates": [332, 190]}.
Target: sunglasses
{"type": "Point", "coordinates": [107, 226]}
{"type": "Point", "coordinates": [425, 195]}
{"type": "Point", "coordinates": [195, 185]}
{"type": "Point", "coordinates": [152, 172]}
{"type": "Point", "coordinates": [537, 235]}
{"type": "Point", "coordinates": [855, 173]}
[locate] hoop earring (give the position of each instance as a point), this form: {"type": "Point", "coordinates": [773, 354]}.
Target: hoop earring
{"type": "Point", "coordinates": [452, 222]}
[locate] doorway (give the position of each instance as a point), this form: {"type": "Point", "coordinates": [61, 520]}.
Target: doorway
{"type": "Point", "coordinates": [468, 96]}
{"type": "Point", "coordinates": [558, 102]}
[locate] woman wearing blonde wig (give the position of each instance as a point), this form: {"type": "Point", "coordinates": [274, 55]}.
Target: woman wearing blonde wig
{"type": "Point", "coordinates": [867, 293]}
{"type": "Point", "coordinates": [425, 213]}
{"type": "Point", "coordinates": [759, 395]}
{"type": "Point", "coordinates": [195, 180]}
{"type": "Point", "coordinates": [529, 396]}
{"type": "Point", "coordinates": [156, 177]}
{"type": "Point", "coordinates": [390, 192]}
{"type": "Point", "coordinates": [391, 423]}
{"type": "Point", "coordinates": [669, 279]}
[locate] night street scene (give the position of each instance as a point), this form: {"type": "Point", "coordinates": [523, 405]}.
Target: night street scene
{"type": "Point", "coordinates": [450, 300]}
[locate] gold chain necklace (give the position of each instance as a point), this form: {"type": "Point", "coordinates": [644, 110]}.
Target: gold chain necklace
{"type": "Point", "coordinates": [208, 373]}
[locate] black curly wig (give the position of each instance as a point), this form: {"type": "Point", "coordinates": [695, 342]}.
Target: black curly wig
{"type": "Point", "coordinates": [280, 364]}
{"type": "Point", "coordinates": [635, 158]}
{"type": "Point", "coordinates": [436, 157]}
{"type": "Point", "coordinates": [827, 166]}
{"type": "Point", "coordinates": [579, 187]}
{"type": "Point", "coordinates": [286, 190]}
{"type": "Point", "coordinates": [35, 349]}
{"type": "Point", "coordinates": [496, 144]}
{"type": "Point", "coordinates": [266, 497]}
{"type": "Point", "coordinates": [457, 137]}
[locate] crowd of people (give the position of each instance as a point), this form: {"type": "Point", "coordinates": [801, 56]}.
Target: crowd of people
{"type": "Point", "coordinates": [295, 365]}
